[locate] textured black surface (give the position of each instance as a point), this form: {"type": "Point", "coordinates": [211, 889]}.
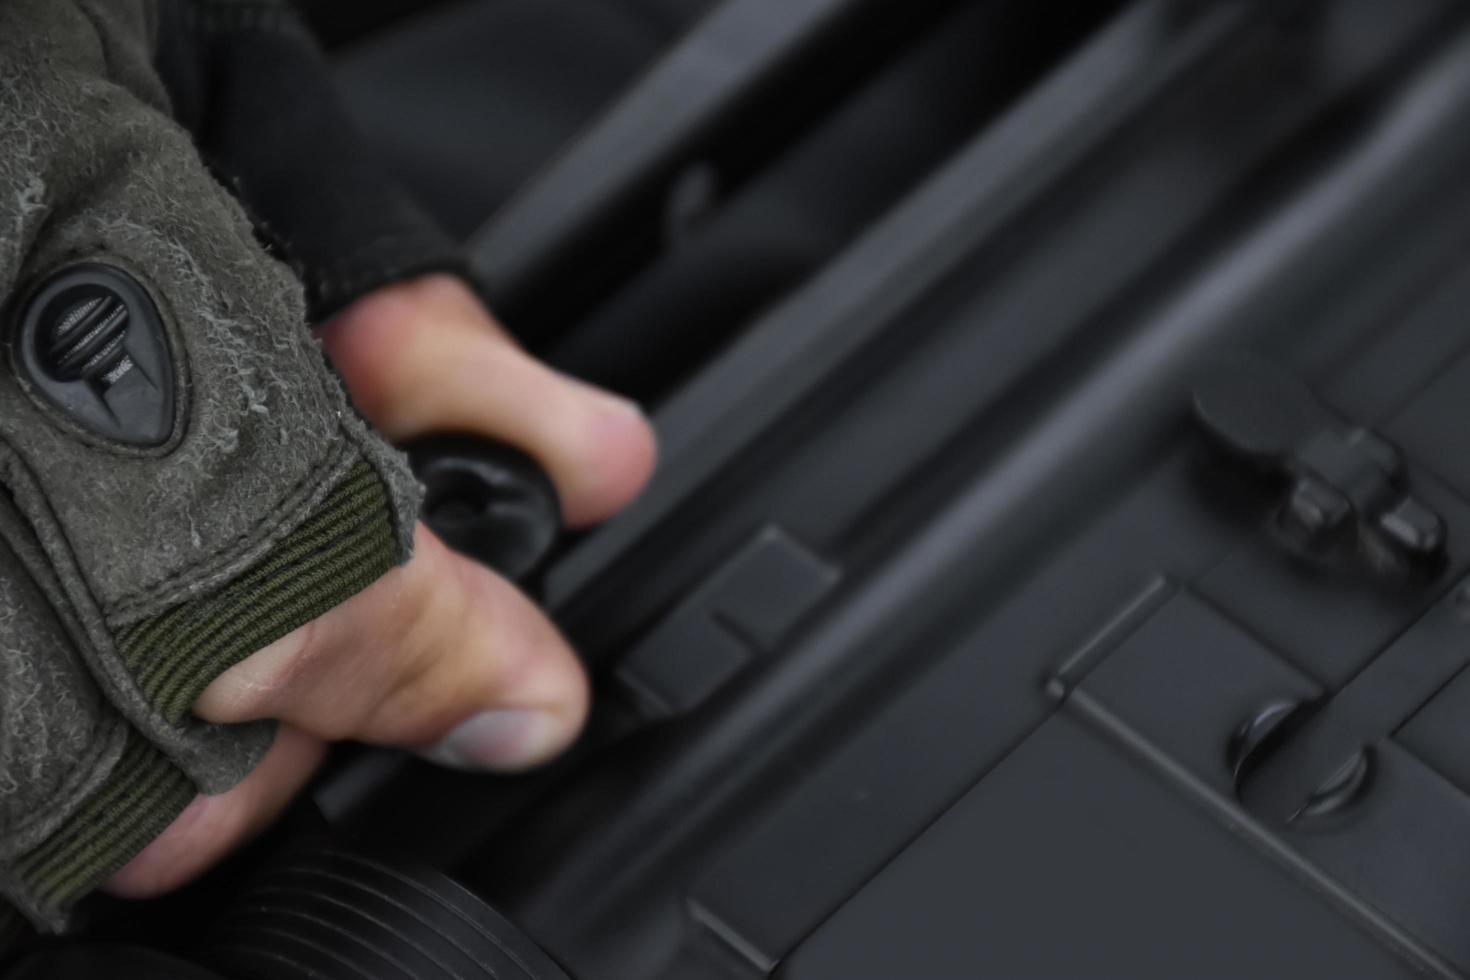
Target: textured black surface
{"type": "Point", "coordinates": [318, 912]}
{"type": "Point", "coordinates": [979, 411]}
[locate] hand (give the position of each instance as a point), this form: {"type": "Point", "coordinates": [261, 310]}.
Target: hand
{"type": "Point", "coordinates": [441, 655]}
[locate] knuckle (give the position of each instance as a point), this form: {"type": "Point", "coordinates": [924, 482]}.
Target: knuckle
{"type": "Point", "coordinates": [508, 642]}
{"type": "Point", "coordinates": [471, 650]}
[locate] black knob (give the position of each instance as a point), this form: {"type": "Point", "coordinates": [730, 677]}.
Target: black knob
{"type": "Point", "coordinates": [490, 502]}
{"type": "Point", "coordinates": [1343, 489]}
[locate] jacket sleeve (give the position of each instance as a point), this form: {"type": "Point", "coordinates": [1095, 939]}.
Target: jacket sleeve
{"type": "Point", "coordinates": [247, 79]}
{"type": "Point", "coordinates": [183, 479]}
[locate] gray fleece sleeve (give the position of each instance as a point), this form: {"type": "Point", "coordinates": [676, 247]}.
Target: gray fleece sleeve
{"type": "Point", "coordinates": [181, 478]}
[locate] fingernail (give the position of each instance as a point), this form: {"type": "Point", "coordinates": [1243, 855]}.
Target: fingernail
{"type": "Point", "coordinates": [500, 740]}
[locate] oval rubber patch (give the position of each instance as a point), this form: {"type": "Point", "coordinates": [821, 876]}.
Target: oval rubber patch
{"type": "Point", "coordinates": [91, 342]}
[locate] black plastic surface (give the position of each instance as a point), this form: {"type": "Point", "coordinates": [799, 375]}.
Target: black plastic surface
{"type": "Point", "coordinates": [742, 611]}
{"type": "Point", "coordinates": [942, 646]}
{"type": "Point", "coordinates": [1152, 888]}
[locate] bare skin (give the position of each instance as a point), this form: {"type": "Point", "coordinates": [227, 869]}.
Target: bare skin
{"type": "Point", "coordinates": [440, 656]}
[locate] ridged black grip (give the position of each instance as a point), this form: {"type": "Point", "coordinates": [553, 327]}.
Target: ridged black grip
{"type": "Point", "coordinates": [321, 913]}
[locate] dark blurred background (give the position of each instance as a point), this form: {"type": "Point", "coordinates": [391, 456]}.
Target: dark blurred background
{"type": "Point", "coordinates": [466, 101]}
{"type": "Point", "coordinates": [466, 98]}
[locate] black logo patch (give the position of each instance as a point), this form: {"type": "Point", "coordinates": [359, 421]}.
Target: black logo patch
{"type": "Point", "coordinates": [91, 342]}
